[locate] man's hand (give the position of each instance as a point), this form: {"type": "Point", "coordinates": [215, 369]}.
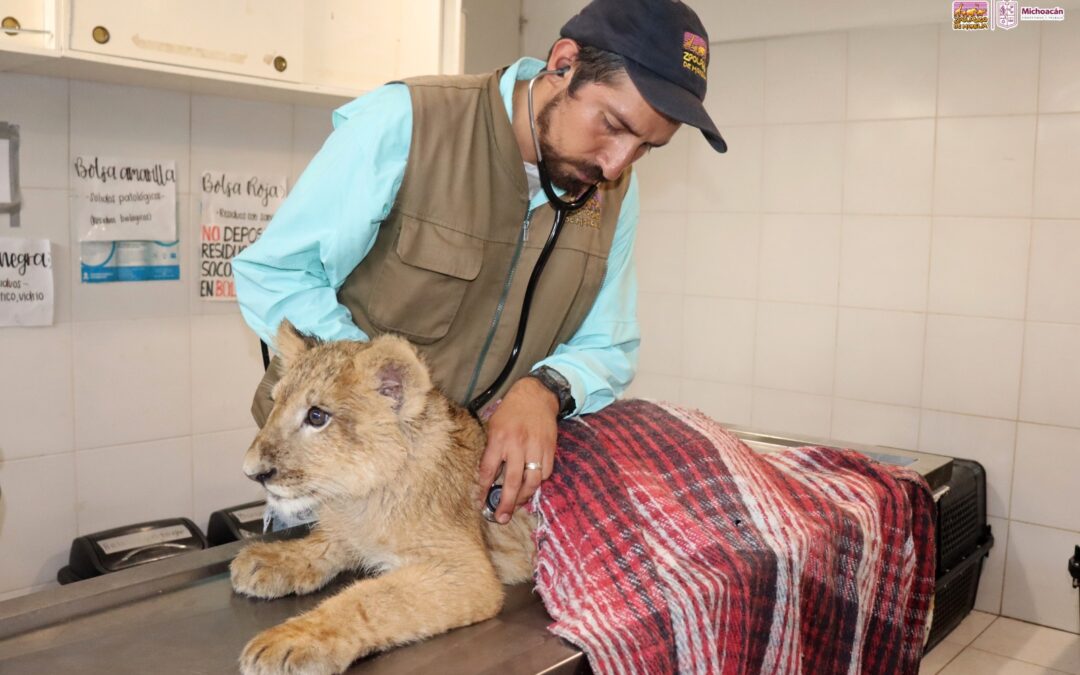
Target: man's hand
{"type": "Point", "coordinates": [523, 429]}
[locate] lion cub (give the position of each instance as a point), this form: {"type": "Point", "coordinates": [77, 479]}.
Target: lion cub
{"type": "Point", "coordinates": [389, 463]}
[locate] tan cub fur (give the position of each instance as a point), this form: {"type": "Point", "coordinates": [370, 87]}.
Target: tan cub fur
{"type": "Point", "coordinates": [392, 473]}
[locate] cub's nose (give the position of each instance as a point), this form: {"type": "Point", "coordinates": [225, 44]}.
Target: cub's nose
{"type": "Point", "coordinates": [263, 476]}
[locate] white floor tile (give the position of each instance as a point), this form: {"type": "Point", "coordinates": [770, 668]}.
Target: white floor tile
{"type": "Point", "coordinates": [1035, 644]}
{"type": "Point", "coordinates": [975, 662]}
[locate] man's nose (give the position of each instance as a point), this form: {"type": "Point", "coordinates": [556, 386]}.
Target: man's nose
{"type": "Point", "coordinates": [615, 160]}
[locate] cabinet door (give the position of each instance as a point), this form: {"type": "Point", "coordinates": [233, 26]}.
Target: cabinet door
{"type": "Point", "coordinates": [361, 44]}
{"type": "Point", "coordinates": [260, 38]}
{"type": "Point", "coordinates": [36, 25]}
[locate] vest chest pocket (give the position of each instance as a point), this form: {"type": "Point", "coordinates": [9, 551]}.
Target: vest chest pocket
{"type": "Point", "coordinates": [421, 284]}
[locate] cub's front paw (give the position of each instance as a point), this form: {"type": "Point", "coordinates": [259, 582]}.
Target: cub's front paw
{"type": "Point", "coordinates": [292, 648]}
{"type": "Point", "coordinates": [267, 570]}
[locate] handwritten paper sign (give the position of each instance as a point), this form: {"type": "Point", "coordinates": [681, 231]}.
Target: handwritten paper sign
{"type": "Point", "coordinates": [124, 199]}
{"type": "Point", "coordinates": [235, 210]}
{"type": "Point", "coordinates": [26, 282]}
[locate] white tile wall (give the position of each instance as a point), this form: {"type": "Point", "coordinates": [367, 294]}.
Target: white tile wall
{"type": "Point", "coordinates": [127, 484]}
{"type": "Point", "coordinates": [799, 258]}
{"type": "Point", "coordinates": [41, 111]}
{"type": "Point", "coordinates": [977, 176]}
{"type": "Point", "coordinates": [1050, 391]}
{"type": "Point", "coordinates": [972, 365]}
{"type": "Point", "coordinates": [729, 403]}
{"type": "Point", "coordinates": [1057, 166]}
{"type": "Point", "coordinates": [986, 440]}
{"type": "Point", "coordinates": [796, 346]}
{"type": "Point", "coordinates": [1054, 280]}
{"type": "Point", "coordinates": [1036, 584]}
{"type": "Point", "coordinates": [879, 356]}
{"type": "Point", "coordinates": [110, 120]}
{"type": "Point", "coordinates": [892, 73]}
{"type": "Point", "coordinates": [1045, 480]}
{"type": "Point", "coordinates": [884, 262]}
{"type": "Point", "coordinates": [98, 412]}
{"type": "Point", "coordinates": [39, 519]}
{"type": "Point", "coordinates": [722, 254]}
{"type": "Point", "coordinates": [978, 266]}
{"type": "Point", "coordinates": [803, 168]}
{"type": "Point", "coordinates": [36, 409]}
{"type": "Point", "coordinates": [991, 74]}
{"type": "Point", "coordinates": [730, 181]}
{"type": "Point", "coordinates": [662, 235]}
{"type": "Point", "coordinates": [217, 477]}
{"type": "Point", "coordinates": [718, 339]}
{"type": "Point", "coordinates": [899, 213]}
{"type": "Point", "coordinates": [805, 78]}
{"type": "Point", "coordinates": [1057, 67]}
{"type": "Point", "coordinates": [889, 167]}
{"type": "Point", "coordinates": [737, 90]}
{"type": "Point", "coordinates": [132, 381]}
{"type": "Point", "coordinates": [226, 364]}
{"type": "Point", "coordinates": [874, 423]}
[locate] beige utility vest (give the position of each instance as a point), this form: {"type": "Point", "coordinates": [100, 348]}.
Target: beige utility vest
{"type": "Point", "coordinates": [450, 263]}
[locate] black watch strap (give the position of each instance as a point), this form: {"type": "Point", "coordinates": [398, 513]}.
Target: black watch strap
{"type": "Point", "coordinates": [556, 384]}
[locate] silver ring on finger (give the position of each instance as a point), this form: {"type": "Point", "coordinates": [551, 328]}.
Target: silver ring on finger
{"type": "Point", "coordinates": [533, 466]}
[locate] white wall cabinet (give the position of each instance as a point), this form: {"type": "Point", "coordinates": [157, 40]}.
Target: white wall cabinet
{"type": "Point", "coordinates": [258, 39]}
{"type": "Point", "coordinates": [29, 26]}
{"type": "Point", "coordinates": [307, 51]}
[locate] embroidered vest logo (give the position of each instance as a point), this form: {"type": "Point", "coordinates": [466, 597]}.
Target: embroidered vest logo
{"type": "Point", "coordinates": [588, 215]}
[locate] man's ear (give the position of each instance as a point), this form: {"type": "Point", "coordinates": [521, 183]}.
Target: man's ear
{"type": "Point", "coordinates": [399, 374]}
{"type": "Point", "coordinates": [291, 343]}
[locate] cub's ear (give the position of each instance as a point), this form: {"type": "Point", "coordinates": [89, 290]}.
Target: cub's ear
{"type": "Point", "coordinates": [291, 343]}
{"type": "Point", "coordinates": [398, 373]}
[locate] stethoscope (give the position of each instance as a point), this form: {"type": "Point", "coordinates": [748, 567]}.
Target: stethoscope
{"type": "Point", "coordinates": [562, 208]}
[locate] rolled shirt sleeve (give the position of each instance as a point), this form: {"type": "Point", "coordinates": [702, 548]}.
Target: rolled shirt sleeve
{"type": "Point", "coordinates": [329, 222]}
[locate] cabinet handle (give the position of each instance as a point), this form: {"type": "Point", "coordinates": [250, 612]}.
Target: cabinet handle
{"type": "Point", "coordinates": [280, 64]}
{"type": "Point", "coordinates": [100, 34]}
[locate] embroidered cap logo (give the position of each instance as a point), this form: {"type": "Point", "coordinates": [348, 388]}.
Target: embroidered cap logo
{"type": "Point", "coordinates": [695, 54]}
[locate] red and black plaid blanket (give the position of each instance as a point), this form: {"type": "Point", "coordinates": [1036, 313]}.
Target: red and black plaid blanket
{"type": "Point", "coordinates": [667, 545]}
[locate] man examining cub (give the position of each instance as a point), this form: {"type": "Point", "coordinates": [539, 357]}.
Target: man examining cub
{"type": "Point", "coordinates": [419, 217]}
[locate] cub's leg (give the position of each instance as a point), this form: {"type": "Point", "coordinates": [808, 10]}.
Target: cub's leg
{"type": "Point", "coordinates": [277, 568]}
{"type": "Point", "coordinates": [407, 604]}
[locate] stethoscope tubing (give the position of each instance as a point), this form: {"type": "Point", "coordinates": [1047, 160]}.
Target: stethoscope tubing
{"type": "Point", "coordinates": [562, 208]}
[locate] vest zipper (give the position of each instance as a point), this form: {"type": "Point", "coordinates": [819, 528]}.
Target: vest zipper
{"type": "Point", "coordinates": [502, 305]}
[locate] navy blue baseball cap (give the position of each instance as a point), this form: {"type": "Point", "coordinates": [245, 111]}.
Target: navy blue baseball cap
{"type": "Point", "coordinates": [666, 50]}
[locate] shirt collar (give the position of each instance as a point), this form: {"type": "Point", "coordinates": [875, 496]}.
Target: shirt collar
{"type": "Point", "coordinates": [522, 69]}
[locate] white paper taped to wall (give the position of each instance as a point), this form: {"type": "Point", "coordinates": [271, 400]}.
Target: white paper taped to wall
{"type": "Point", "coordinates": [5, 171]}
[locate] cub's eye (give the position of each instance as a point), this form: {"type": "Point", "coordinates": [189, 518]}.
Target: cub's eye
{"type": "Point", "coordinates": [317, 417]}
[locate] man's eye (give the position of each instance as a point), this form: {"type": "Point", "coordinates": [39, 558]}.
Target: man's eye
{"type": "Point", "coordinates": [607, 124]}
{"type": "Point", "coordinates": [317, 417]}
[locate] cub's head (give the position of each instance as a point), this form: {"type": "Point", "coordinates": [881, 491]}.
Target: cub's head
{"type": "Point", "coordinates": [336, 428]}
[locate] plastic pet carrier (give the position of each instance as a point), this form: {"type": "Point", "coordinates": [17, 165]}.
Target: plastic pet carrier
{"type": "Point", "coordinates": [963, 541]}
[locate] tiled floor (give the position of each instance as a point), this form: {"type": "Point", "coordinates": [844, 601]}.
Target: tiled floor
{"type": "Point", "coordinates": [985, 644]}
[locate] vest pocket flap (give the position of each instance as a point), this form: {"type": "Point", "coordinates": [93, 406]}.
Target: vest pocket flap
{"type": "Point", "coordinates": [439, 249]}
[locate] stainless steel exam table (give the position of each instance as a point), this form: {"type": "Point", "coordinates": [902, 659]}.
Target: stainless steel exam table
{"type": "Point", "coordinates": [181, 616]}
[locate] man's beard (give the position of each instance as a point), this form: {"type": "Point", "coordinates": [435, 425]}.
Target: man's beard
{"type": "Point", "coordinates": [564, 173]}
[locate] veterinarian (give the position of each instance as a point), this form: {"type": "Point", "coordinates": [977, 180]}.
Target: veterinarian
{"type": "Point", "coordinates": [423, 215]}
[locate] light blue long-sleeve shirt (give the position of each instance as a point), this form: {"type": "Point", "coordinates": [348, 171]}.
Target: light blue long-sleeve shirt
{"type": "Point", "coordinates": [329, 222]}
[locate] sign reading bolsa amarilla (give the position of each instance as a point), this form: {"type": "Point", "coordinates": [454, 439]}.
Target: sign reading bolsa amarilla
{"type": "Point", "coordinates": [124, 199]}
{"type": "Point", "coordinates": [236, 208]}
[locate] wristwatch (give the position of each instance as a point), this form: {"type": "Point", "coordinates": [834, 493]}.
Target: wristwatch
{"type": "Point", "coordinates": [556, 384]}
